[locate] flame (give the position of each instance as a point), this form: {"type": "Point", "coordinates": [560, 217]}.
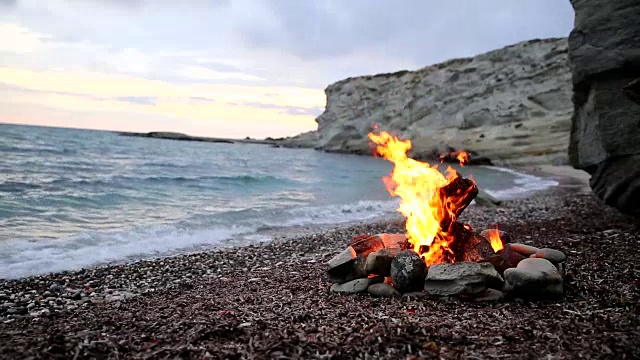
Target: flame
{"type": "Point", "coordinates": [417, 184]}
{"type": "Point", "coordinates": [463, 158]}
{"type": "Point", "coordinates": [495, 240]}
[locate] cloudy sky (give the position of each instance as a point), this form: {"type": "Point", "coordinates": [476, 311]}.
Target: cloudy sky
{"type": "Point", "coordinates": [232, 68]}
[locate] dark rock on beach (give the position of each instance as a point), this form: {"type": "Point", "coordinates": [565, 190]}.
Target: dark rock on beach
{"type": "Point", "coordinates": [408, 271]}
{"type": "Point", "coordinates": [383, 290]}
{"type": "Point", "coordinates": [379, 262]}
{"type": "Point", "coordinates": [346, 266]}
{"type": "Point", "coordinates": [464, 278]}
{"type": "Point", "coordinates": [534, 278]}
{"type": "Point", "coordinates": [355, 286]}
{"type": "Point", "coordinates": [605, 65]}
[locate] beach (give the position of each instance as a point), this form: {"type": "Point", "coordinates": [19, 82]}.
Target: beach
{"type": "Point", "coordinates": [272, 300]}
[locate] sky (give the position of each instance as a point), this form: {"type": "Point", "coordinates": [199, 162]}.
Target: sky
{"type": "Point", "coordinates": [232, 68]}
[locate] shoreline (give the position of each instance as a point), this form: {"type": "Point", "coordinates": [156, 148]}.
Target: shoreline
{"type": "Point", "coordinates": [265, 235]}
{"type": "Point", "coordinates": [271, 299]}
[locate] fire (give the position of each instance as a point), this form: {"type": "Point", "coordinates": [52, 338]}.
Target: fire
{"type": "Point", "coordinates": [418, 185]}
{"type": "Point", "coordinates": [495, 240]}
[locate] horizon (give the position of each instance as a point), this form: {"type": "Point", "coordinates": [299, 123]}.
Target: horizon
{"type": "Point", "coordinates": [248, 68]}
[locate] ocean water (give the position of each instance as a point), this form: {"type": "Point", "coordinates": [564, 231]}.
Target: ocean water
{"type": "Point", "coordinates": [76, 198]}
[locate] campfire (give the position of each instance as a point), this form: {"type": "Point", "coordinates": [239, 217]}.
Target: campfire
{"type": "Point", "coordinates": [438, 255]}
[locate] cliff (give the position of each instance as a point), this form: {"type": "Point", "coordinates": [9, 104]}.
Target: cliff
{"type": "Point", "coordinates": [512, 105]}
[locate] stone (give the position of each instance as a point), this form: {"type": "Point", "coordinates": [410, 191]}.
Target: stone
{"type": "Point", "coordinates": [76, 296]}
{"type": "Point", "coordinates": [56, 288]}
{"type": "Point", "coordinates": [366, 244]}
{"type": "Point", "coordinates": [346, 266]}
{"type": "Point", "coordinates": [553, 255]}
{"type": "Point", "coordinates": [478, 249]}
{"type": "Point", "coordinates": [415, 294]}
{"type": "Point", "coordinates": [489, 295]}
{"type": "Point", "coordinates": [505, 259]}
{"type": "Point", "coordinates": [511, 105]}
{"type": "Point", "coordinates": [523, 249]}
{"type": "Point", "coordinates": [379, 262]}
{"type": "Point", "coordinates": [408, 271]}
{"type": "Point", "coordinates": [355, 286]}
{"type": "Point", "coordinates": [463, 278]}
{"type": "Point", "coordinates": [605, 66]}
{"type": "Point", "coordinates": [383, 290]}
{"type": "Point", "coordinates": [392, 241]}
{"type": "Point", "coordinates": [534, 278]}
{"type": "Point", "coordinates": [486, 199]}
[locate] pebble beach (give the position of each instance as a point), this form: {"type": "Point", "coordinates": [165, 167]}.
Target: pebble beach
{"type": "Point", "coordinates": [272, 300]}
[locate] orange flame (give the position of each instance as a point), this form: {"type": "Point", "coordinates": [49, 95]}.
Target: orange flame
{"type": "Point", "coordinates": [463, 158]}
{"type": "Point", "coordinates": [495, 240]}
{"type": "Point", "coordinates": [417, 184]}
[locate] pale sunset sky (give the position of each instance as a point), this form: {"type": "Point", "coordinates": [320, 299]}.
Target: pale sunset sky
{"type": "Point", "coordinates": [232, 68]}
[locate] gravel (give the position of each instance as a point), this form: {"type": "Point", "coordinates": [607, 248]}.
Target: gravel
{"type": "Point", "coordinates": [272, 300]}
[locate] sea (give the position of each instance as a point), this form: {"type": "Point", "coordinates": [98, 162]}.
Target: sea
{"type": "Point", "coordinates": [71, 199]}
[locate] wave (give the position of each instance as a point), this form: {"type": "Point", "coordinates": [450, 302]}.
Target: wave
{"type": "Point", "coordinates": [21, 258]}
{"type": "Point", "coordinates": [524, 185]}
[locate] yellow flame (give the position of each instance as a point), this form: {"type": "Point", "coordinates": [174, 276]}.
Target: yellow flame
{"type": "Point", "coordinates": [417, 184]}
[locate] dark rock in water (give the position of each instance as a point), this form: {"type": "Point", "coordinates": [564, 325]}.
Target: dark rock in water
{"type": "Point", "coordinates": [383, 290]}
{"type": "Point", "coordinates": [355, 286]}
{"type": "Point", "coordinates": [408, 271]}
{"type": "Point", "coordinates": [505, 259]}
{"type": "Point", "coordinates": [553, 255]}
{"type": "Point", "coordinates": [523, 249]}
{"type": "Point", "coordinates": [534, 278]}
{"type": "Point", "coordinates": [463, 278]}
{"type": "Point", "coordinates": [504, 236]}
{"type": "Point", "coordinates": [605, 65]}
{"type": "Point", "coordinates": [346, 266]}
{"type": "Point", "coordinates": [366, 244]}
{"type": "Point", "coordinates": [379, 262]}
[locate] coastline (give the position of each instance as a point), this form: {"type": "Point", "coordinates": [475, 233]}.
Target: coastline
{"type": "Point", "coordinates": [271, 299]}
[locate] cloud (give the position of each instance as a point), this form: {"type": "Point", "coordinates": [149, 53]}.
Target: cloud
{"type": "Point", "coordinates": [272, 58]}
{"type": "Point", "coordinates": [142, 100]}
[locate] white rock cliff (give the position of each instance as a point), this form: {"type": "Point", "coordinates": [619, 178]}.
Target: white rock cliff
{"type": "Point", "coordinates": [512, 105]}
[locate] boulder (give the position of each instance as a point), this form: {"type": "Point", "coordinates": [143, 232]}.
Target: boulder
{"type": "Point", "coordinates": [605, 66]}
{"type": "Point", "coordinates": [355, 286]}
{"type": "Point", "coordinates": [463, 278]}
{"type": "Point", "coordinates": [346, 266]}
{"type": "Point", "coordinates": [383, 290]}
{"type": "Point", "coordinates": [379, 262]}
{"type": "Point", "coordinates": [534, 278]}
{"type": "Point", "coordinates": [408, 271]}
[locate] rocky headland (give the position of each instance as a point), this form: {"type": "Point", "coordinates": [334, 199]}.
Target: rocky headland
{"type": "Point", "coordinates": [511, 105]}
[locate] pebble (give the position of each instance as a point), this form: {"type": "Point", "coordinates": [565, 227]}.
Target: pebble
{"type": "Point", "coordinates": [383, 290]}
{"type": "Point", "coordinates": [355, 286]}
{"type": "Point", "coordinates": [524, 249]}
{"type": "Point", "coordinates": [553, 255]}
